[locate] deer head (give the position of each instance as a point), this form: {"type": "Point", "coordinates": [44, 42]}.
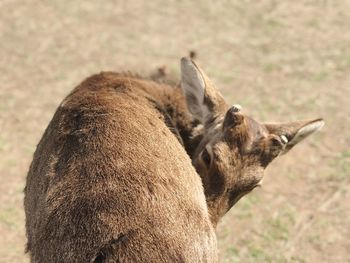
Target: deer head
{"type": "Point", "coordinates": [233, 149]}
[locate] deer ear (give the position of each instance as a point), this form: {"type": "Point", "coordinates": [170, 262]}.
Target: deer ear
{"type": "Point", "coordinates": [203, 100]}
{"type": "Point", "coordinates": [293, 132]}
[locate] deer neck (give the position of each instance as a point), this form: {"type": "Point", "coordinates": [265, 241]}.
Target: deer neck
{"type": "Point", "coordinates": [178, 119]}
{"type": "Point", "coordinates": [190, 133]}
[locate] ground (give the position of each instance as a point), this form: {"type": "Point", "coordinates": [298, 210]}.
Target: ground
{"type": "Point", "coordinates": [281, 60]}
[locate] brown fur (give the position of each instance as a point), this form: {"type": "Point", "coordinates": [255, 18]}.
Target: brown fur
{"type": "Point", "coordinates": [113, 177]}
{"type": "Point", "coordinates": [110, 182]}
{"type": "Point", "coordinates": [234, 149]}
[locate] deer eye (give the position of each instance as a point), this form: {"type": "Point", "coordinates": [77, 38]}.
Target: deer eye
{"type": "Point", "coordinates": [206, 157]}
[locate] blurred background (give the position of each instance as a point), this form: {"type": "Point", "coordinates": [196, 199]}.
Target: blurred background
{"type": "Point", "coordinates": [281, 60]}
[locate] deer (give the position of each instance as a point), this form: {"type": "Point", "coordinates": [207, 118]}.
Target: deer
{"type": "Point", "coordinates": [131, 170]}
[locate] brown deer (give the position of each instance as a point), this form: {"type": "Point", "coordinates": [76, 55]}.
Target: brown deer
{"type": "Point", "coordinates": [118, 175]}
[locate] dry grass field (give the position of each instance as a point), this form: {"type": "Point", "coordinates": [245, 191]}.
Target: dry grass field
{"type": "Point", "coordinates": [281, 60]}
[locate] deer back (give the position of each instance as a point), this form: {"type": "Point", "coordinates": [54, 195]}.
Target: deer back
{"type": "Point", "coordinates": [110, 182]}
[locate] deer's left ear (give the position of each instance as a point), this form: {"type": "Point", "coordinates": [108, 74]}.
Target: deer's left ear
{"type": "Point", "coordinates": [203, 100]}
{"type": "Point", "coordinates": [292, 133]}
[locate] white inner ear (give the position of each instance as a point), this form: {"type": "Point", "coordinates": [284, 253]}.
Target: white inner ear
{"type": "Point", "coordinates": [193, 86]}
{"type": "Point", "coordinates": [306, 131]}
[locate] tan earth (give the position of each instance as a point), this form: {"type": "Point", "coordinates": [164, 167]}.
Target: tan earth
{"type": "Point", "coordinates": [281, 60]}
